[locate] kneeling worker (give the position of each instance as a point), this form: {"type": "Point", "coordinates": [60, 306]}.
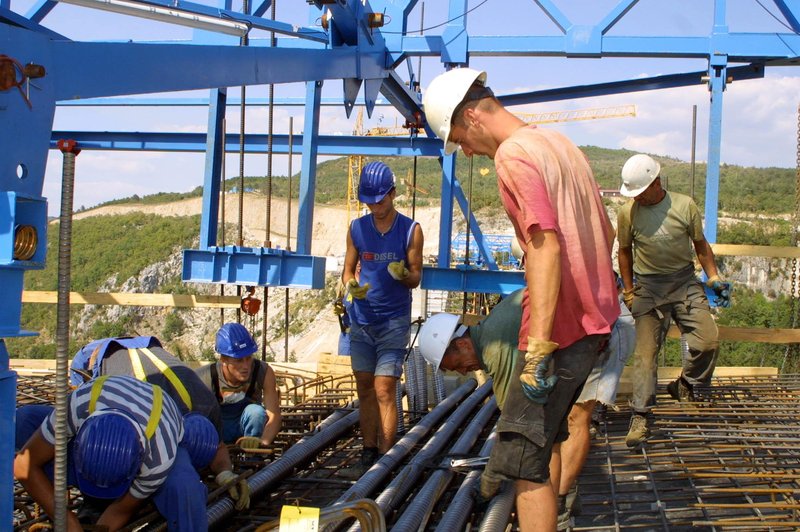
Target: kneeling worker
{"type": "Point", "coordinates": [242, 385]}
{"type": "Point", "coordinates": [124, 446]}
{"type": "Point", "coordinates": [144, 358]}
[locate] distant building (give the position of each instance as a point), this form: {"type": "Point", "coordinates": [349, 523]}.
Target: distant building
{"type": "Point", "coordinates": [610, 192]}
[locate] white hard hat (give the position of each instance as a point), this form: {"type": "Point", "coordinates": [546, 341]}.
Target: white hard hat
{"type": "Point", "coordinates": [435, 336]}
{"type": "Point", "coordinates": [637, 174]}
{"type": "Point", "coordinates": [442, 97]}
{"type": "Point", "coordinates": [516, 249]}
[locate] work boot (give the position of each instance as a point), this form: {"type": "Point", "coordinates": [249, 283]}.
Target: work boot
{"type": "Point", "coordinates": [573, 501]}
{"type": "Point", "coordinates": [569, 506]}
{"type": "Point", "coordinates": [681, 391]}
{"type": "Point", "coordinates": [638, 431]}
{"type": "Point", "coordinates": [564, 520]}
{"type": "Point", "coordinates": [355, 471]}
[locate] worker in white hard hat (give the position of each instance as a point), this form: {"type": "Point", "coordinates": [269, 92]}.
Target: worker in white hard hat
{"type": "Point", "coordinates": [491, 345]}
{"type": "Point", "coordinates": [657, 231]}
{"type": "Point", "coordinates": [570, 304]}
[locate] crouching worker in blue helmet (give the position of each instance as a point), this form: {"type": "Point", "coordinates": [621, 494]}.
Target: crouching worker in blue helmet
{"type": "Point", "coordinates": [124, 437]}
{"type": "Point", "coordinates": [387, 246]}
{"type": "Point", "coordinates": [144, 358]}
{"type": "Point", "coordinates": [245, 388]}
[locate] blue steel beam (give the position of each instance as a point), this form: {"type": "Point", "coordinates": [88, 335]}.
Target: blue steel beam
{"type": "Point", "coordinates": [741, 47]}
{"type": "Point", "coordinates": [791, 11]}
{"type": "Point", "coordinates": [209, 220]}
{"type": "Point", "coordinates": [448, 163]}
{"type": "Point", "coordinates": [253, 267]}
{"type": "Point", "coordinates": [130, 68]}
{"type": "Point", "coordinates": [668, 81]}
{"type": "Point", "coordinates": [254, 143]}
{"type": "Point", "coordinates": [308, 169]}
{"type": "Point", "coordinates": [483, 246]}
{"type": "Point", "coordinates": [203, 102]}
{"type": "Point", "coordinates": [469, 280]}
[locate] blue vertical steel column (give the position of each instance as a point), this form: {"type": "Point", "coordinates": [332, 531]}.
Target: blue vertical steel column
{"type": "Point", "coordinates": [717, 74]}
{"type": "Point", "coordinates": [308, 168]}
{"type": "Point", "coordinates": [446, 212]}
{"type": "Point", "coordinates": [8, 397]}
{"type": "Point", "coordinates": [215, 158]}
{"type": "Point", "coordinates": [717, 86]}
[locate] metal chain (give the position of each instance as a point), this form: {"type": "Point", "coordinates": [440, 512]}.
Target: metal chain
{"type": "Point", "coordinates": [792, 349]}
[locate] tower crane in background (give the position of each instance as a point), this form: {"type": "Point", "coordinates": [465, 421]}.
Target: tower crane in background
{"type": "Point", "coordinates": [356, 162]}
{"type": "Point", "coordinates": [591, 113]}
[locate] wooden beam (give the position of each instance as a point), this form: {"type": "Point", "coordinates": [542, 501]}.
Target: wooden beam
{"type": "Point", "coordinates": [779, 252]}
{"type": "Point", "coordinates": [135, 300]}
{"type": "Point", "coordinates": [743, 334]}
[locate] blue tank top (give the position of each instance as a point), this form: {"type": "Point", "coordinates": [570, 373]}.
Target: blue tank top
{"type": "Point", "coordinates": [386, 298]}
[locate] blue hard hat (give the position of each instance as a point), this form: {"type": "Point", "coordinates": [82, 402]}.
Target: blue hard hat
{"type": "Point", "coordinates": [200, 439]}
{"type": "Point", "coordinates": [234, 341]}
{"type": "Point", "coordinates": [376, 181]}
{"type": "Point", "coordinates": [108, 454]}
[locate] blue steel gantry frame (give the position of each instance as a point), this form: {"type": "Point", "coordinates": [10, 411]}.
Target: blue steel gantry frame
{"type": "Point", "coordinates": [363, 45]}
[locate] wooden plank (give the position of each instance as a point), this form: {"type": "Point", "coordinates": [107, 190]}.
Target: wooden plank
{"type": "Point", "coordinates": [328, 364]}
{"type": "Point", "coordinates": [744, 334]}
{"type": "Point", "coordinates": [136, 300]}
{"type": "Point", "coordinates": [780, 252]}
{"type": "Point", "coordinates": [733, 334]}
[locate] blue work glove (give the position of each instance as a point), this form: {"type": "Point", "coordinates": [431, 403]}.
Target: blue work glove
{"type": "Point", "coordinates": [536, 385]}
{"type": "Point", "coordinates": [721, 290]}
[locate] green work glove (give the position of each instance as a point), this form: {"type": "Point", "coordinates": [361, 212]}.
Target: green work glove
{"type": "Point", "coordinates": [239, 489]}
{"type": "Point", "coordinates": [627, 297]}
{"type": "Point", "coordinates": [356, 290]}
{"type": "Point", "coordinates": [536, 385]}
{"type": "Point", "coordinates": [398, 270]}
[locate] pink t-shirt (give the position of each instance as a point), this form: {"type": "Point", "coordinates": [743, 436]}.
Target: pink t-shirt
{"type": "Point", "coordinates": [546, 183]}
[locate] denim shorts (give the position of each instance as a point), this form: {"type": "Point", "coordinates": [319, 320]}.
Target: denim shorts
{"type": "Point", "coordinates": [602, 383]}
{"type": "Point", "coordinates": [526, 430]}
{"type": "Point", "coordinates": [380, 348]}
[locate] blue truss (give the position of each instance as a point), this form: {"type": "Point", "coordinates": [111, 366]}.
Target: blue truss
{"type": "Point", "coordinates": [369, 60]}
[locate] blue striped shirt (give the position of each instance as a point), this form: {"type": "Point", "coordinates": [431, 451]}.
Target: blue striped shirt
{"type": "Point", "coordinates": [135, 398]}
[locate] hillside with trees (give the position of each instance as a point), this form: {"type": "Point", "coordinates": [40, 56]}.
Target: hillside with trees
{"type": "Point", "coordinates": [116, 253]}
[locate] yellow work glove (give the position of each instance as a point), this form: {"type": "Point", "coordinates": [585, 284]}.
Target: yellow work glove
{"type": "Point", "coordinates": [627, 297]}
{"type": "Point", "coordinates": [239, 490]}
{"type": "Point", "coordinates": [356, 290]}
{"type": "Point", "coordinates": [398, 270]}
{"type": "Point", "coordinates": [536, 385]}
{"type": "Point", "coordinates": [338, 307]}
{"type": "Point", "coordinates": [249, 442]}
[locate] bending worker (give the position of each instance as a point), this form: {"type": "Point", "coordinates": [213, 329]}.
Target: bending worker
{"type": "Point", "coordinates": [245, 388]}
{"type": "Point", "coordinates": [491, 345]}
{"type": "Point", "coordinates": [570, 303]}
{"type": "Point", "coordinates": [657, 231]}
{"type": "Point", "coordinates": [144, 358]}
{"type": "Point", "coordinates": [124, 436]}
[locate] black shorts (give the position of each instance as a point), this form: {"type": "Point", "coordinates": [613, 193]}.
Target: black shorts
{"type": "Point", "coordinates": [526, 430]}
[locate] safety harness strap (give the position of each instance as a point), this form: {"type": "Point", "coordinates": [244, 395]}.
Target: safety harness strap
{"type": "Point", "coordinates": [155, 413]}
{"type": "Point", "coordinates": [167, 371]}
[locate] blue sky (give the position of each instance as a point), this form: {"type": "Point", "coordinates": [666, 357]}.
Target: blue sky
{"type": "Point", "coordinates": [759, 124]}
